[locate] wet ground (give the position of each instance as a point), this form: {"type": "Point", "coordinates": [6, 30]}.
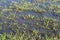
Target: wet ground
{"type": "Point", "coordinates": [46, 22]}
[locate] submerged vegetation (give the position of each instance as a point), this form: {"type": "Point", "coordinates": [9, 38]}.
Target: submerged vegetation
{"type": "Point", "coordinates": [30, 20]}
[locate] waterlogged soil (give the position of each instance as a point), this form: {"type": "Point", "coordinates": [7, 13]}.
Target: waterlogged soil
{"type": "Point", "coordinates": [28, 20]}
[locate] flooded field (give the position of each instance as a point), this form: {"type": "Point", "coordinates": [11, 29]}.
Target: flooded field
{"type": "Point", "coordinates": [29, 20]}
